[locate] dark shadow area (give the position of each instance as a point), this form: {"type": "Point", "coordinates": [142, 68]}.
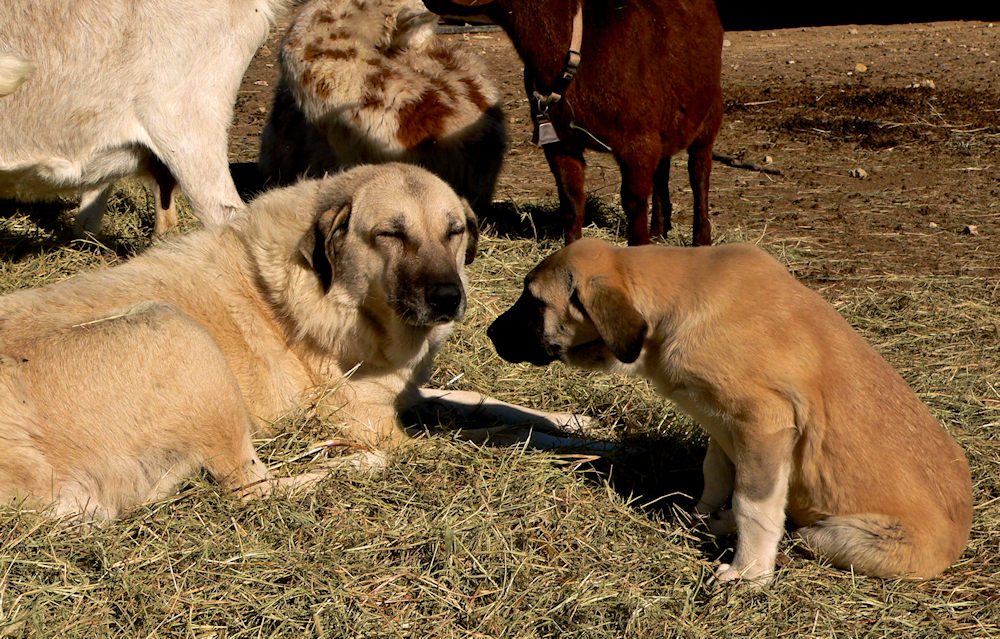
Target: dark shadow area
{"type": "Point", "coordinates": [49, 216]}
{"type": "Point", "coordinates": [661, 476]}
{"type": "Point", "coordinates": [513, 220]}
{"type": "Point", "coordinates": [51, 235]}
{"type": "Point", "coordinates": [53, 220]}
{"type": "Point", "coordinates": [248, 180]}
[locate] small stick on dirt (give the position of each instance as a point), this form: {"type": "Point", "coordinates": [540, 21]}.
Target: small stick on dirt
{"type": "Point", "coordinates": [733, 161]}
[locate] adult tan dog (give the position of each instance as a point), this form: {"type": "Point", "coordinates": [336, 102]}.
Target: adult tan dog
{"type": "Point", "coordinates": [116, 385]}
{"type": "Point", "coordinates": [805, 418]}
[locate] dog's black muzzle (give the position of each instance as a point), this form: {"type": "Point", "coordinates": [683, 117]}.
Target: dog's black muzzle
{"type": "Point", "coordinates": [518, 334]}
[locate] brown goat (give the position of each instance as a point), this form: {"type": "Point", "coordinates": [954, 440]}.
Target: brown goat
{"type": "Point", "coordinates": [648, 86]}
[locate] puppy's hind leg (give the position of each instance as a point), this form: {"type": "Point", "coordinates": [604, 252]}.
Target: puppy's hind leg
{"type": "Point", "coordinates": [871, 544]}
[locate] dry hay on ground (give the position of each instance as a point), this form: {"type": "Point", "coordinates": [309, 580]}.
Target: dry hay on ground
{"type": "Point", "coordinates": [454, 541]}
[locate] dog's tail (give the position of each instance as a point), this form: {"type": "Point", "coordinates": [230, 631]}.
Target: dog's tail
{"type": "Point", "coordinates": [882, 546]}
{"type": "Point", "coordinates": [14, 71]}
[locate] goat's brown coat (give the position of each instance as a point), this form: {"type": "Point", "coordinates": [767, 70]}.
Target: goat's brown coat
{"type": "Point", "coordinates": [649, 85]}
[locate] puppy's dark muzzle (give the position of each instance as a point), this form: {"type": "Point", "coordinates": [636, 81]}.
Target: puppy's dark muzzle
{"type": "Point", "coordinates": [516, 341]}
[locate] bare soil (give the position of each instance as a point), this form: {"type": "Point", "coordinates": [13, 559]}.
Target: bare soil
{"type": "Point", "coordinates": [913, 109]}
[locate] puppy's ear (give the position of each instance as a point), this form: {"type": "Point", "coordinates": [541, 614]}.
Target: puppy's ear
{"type": "Point", "coordinates": [472, 238]}
{"type": "Point", "coordinates": [610, 307]}
{"type": "Point", "coordinates": [318, 244]}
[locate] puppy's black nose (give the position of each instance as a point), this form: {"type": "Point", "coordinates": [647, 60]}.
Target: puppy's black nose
{"type": "Point", "coordinates": [444, 299]}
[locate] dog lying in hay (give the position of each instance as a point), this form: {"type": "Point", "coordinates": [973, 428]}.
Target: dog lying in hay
{"type": "Point", "coordinates": [116, 385]}
{"type": "Point", "coordinates": [369, 81]}
{"type": "Point", "coordinates": [806, 420]}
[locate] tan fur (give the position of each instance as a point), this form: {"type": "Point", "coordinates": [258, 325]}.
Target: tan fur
{"type": "Point", "coordinates": [805, 418]}
{"type": "Point", "coordinates": [370, 81]}
{"type": "Point", "coordinates": [118, 384]}
{"type": "Point", "coordinates": [14, 71]}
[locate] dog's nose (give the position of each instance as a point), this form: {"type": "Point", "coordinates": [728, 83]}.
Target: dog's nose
{"type": "Point", "coordinates": [444, 299]}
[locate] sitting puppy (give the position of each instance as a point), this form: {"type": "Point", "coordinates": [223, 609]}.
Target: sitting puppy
{"type": "Point", "coordinates": [805, 418]}
{"type": "Point", "coordinates": [117, 385]}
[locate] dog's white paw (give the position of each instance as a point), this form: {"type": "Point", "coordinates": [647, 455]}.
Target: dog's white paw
{"type": "Point", "coordinates": [583, 422]}
{"type": "Point", "coordinates": [749, 576]}
{"type": "Point", "coordinates": [364, 461]}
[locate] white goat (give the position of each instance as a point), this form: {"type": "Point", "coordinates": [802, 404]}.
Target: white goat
{"type": "Point", "coordinates": [368, 81]}
{"type": "Point", "coordinates": [125, 87]}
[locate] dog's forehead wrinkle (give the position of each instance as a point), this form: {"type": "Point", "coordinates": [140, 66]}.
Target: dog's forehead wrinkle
{"type": "Point", "coordinates": [398, 222]}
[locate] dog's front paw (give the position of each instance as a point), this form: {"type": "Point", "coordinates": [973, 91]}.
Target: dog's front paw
{"type": "Point", "coordinates": [365, 462]}
{"type": "Point", "coordinates": [583, 422]}
{"type": "Point", "coordinates": [748, 576]}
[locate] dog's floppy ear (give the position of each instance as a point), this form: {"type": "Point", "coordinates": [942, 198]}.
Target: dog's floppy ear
{"type": "Point", "coordinates": [609, 306]}
{"type": "Point", "coordinates": [472, 238]}
{"type": "Point", "coordinates": [317, 245]}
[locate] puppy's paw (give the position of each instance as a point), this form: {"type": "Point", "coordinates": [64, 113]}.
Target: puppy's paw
{"type": "Point", "coordinates": [368, 462]}
{"type": "Point", "coordinates": [749, 576]}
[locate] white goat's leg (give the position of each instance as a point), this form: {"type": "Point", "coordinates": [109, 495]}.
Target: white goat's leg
{"type": "Point", "coordinates": [201, 167]}
{"type": "Point", "coordinates": [91, 212]}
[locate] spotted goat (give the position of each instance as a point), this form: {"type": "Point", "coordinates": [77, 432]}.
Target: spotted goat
{"type": "Point", "coordinates": [370, 81]}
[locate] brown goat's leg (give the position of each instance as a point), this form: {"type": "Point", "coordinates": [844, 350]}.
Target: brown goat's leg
{"type": "Point", "coordinates": [662, 209]}
{"type": "Point", "coordinates": [569, 169]}
{"type": "Point", "coordinates": [637, 186]}
{"type": "Point", "coordinates": [699, 170]}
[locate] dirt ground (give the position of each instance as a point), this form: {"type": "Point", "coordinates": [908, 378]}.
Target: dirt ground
{"type": "Point", "coordinates": [913, 109]}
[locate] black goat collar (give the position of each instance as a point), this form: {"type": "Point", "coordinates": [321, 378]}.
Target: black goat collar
{"type": "Point", "coordinates": [569, 69]}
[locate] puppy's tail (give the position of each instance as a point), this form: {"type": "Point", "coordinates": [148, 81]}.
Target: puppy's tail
{"type": "Point", "coordinates": [14, 71]}
{"type": "Point", "coordinates": [881, 546]}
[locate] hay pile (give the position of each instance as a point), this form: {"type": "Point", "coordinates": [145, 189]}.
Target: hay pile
{"type": "Point", "coordinates": [455, 541]}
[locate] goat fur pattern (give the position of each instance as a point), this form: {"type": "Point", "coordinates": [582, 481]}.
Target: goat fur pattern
{"type": "Point", "coordinates": [367, 81]}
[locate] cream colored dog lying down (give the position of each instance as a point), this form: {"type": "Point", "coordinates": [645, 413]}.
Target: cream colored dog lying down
{"type": "Point", "coordinates": [805, 418]}
{"type": "Point", "coordinates": [118, 384]}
